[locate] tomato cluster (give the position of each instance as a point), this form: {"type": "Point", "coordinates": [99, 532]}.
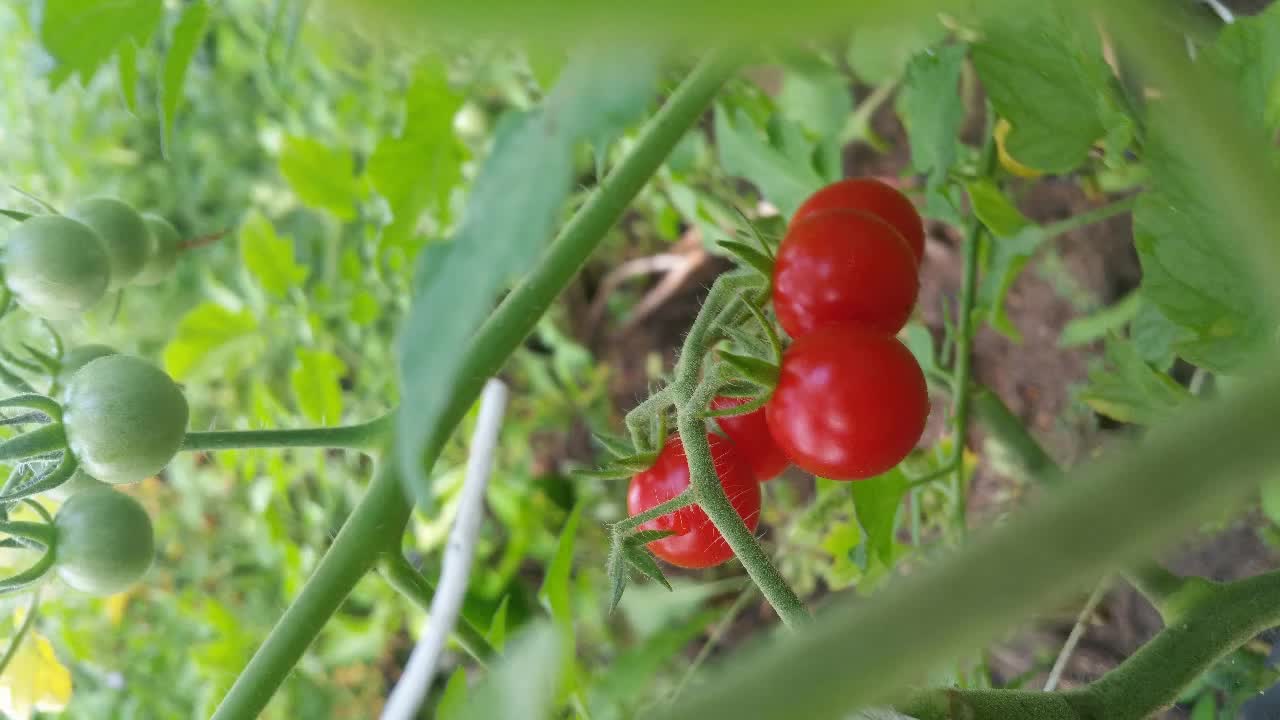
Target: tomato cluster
{"type": "Point", "coordinates": [850, 401]}
{"type": "Point", "coordinates": [60, 265]}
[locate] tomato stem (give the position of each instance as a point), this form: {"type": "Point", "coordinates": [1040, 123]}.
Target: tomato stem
{"type": "Point", "coordinates": [44, 439]}
{"type": "Point", "coordinates": [402, 576]}
{"type": "Point", "coordinates": [380, 517]}
{"type": "Point", "coordinates": [365, 437]}
{"type": "Point", "coordinates": [28, 622]}
{"type": "Point", "coordinates": [684, 499]}
{"type": "Point", "coordinates": [65, 469]}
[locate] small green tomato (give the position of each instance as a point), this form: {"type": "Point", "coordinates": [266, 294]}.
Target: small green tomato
{"type": "Point", "coordinates": [125, 418]}
{"type": "Point", "coordinates": [103, 542]}
{"type": "Point", "coordinates": [163, 254]}
{"type": "Point", "coordinates": [55, 266]}
{"type": "Point", "coordinates": [124, 234]}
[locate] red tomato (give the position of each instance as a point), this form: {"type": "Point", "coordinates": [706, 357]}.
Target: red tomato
{"type": "Point", "coordinates": [850, 403]}
{"type": "Point", "coordinates": [697, 543]}
{"type": "Point", "coordinates": [843, 266]}
{"type": "Point", "coordinates": [750, 433]}
{"type": "Point", "coordinates": [875, 197]}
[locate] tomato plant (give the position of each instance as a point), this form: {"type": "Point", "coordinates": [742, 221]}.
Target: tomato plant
{"type": "Point", "coordinates": [103, 542]}
{"type": "Point", "coordinates": [162, 252]}
{"type": "Point", "coordinates": [750, 434]}
{"type": "Point", "coordinates": [125, 418]}
{"type": "Point", "coordinates": [55, 266]}
{"type": "Point", "coordinates": [850, 403]}
{"type": "Point", "coordinates": [843, 266]}
{"type": "Point", "coordinates": [870, 196]}
{"type": "Point", "coordinates": [79, 356]}
{"type": "Point", "coordinates": [695, 542]}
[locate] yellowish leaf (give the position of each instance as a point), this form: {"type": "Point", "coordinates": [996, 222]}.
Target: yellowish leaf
{"type": "Point", "coordinates": [34, 681]}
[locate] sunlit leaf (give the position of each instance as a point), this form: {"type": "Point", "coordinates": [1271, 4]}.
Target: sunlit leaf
{"type": "Point", "coordinates": [82, 35]}
{"type": "Point", "coordinates": [207, 330]}
{"type": "Point", "coordinates": [932, 109]}
{"type": "Point", "coordinates": [316, 385]}
{"type": "Point", "coordinates": [1129, 390]}
{"type": "Point", "coordinates": [321, 176]}
{"type": "Point", "coordinates": [187, 34]}
{"type": "Point", "coordinates": [875, 503]}
{"type": "Point", "coordinates": [34, 681]}
{"type": "Point", "coordinates": [268, 257]}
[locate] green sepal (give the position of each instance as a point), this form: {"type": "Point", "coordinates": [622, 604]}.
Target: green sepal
{"type": "Point", "coordinates": [760, 372]}
{"type": "Point", "coordinates": [50, 363]}
{"type": "Point", "coordinates": [744, 409]}
{"type": "Point", "coordinates": [736, 388]}
{"type": "Point", "coordinates": [605, 473]}
{"type": "Point", "coordinates": [615, 446]}
{"type": "Point", "coordinates": [641, 558]}
{"type": "Point", "coordinates": [749, 256]}
{"type": "Point", "coordinates": [617, 573]}
{"type": "Point", "coordinates": [644, 537]}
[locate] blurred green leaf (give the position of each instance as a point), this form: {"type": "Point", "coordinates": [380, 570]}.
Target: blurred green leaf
{"type": "Point", "coordinates": [525, 684]}
{"type": "Point", "coordinates": [416, 170]}
{"type": "Point", "coordinates": [1206, 708]}
{"type": "Point", "coordinates": [1192, 268]}
{"type": "Point", "coordinates": [995, 209]}
{"type": "Point", "coordinates": [879, 54]}
{"type": "Point", "coordinates": [875, 503]}
{"type": "Point", "coordinates": [1129, 390]}
{"type": "Point", "coordinates": [1247, 54]}
{"type": "Point", "coordinates": [82, 35]}
{"type": "Point", "coordinates": [454, 697]}
{"type": "Point", "coordinates": [815, 95]}
{"type": "Point", "coordinates": [932, 109]}
{"type": "Point", "coordinates": [127, 67]}
{"type": "Point", "coordinates": [187, 34]}
{"type": "Point", "coordinates": [1007, 258]}
{"type": "Point", "coordinates": [748, 152]}
{"type": "Point", "coordinates": [268, 257]}
{"type": "Point", "coordinates": [1111, 319]}
{"type": "Point", "coordinates": [205, 331]}
{"type": "Point", "coordinates": [316, 385]}
{"type": "Point", "coordinates": [1270, 492]}
{"type": "Point", "coordinates": [631, 672]}
{"type": "Point", "coordinates": [497, 634]}
{"type": "Point", "coordinates": [556, 591]}
{"type": "Point", "coordinates": [1046, 76]}
{"type": "Point", "coordinates": [321, 176]}
{"type": "Point", "coordinates": [508, 220]}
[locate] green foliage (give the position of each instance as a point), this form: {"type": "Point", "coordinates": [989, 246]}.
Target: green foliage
{"type": "Point", "coordinates": [83, 35]}
{"type": "Point", "coordinates": [933, 109]}
{"type": "Point", "coordinates": [1129, 390]}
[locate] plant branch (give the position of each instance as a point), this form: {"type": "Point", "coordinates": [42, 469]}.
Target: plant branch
{"type": "Point", "coordinates": [684, 499]}
{"type": "Point", "coordinates": [365, 437]}
{"type": "Point", "coordinates": [1073, 638]}
{"type": "Point", "coordinates": [378, 521]}
{"type": "Point", "coordinates": [414, 585]}
{"type": "Point", "coordinates": [16, 641]}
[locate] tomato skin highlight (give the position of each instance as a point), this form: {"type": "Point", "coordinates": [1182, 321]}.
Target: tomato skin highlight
{"type": "Point", "coordinates": [750, 433]}
{"type": "Point", "coordinates": [843, 266]}
{"type": "Point", "coordinates": [872, 196]}
{"type": "Point", "coordinates": [104, 541]}
{"type": "Point", "coordinates": [850, 404]}
{"type": "Point", "coordinates": [697, 544]}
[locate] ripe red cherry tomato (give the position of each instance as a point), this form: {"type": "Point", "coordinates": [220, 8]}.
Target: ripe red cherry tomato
{"type": "Point", "coordinates": [875, 197]}
{"type": "Point", "coordinates": [843, 266]}
{"type": "Point", "coordinates": [697, 543]}
{"type": "Point", "coordinates": [750, 433]}
{"type": "Point", "coordinates": [850, 403]}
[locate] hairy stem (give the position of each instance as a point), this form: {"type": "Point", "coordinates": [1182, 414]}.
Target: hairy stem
{"type": "Point", "coordinates": [414, 585]}
{"type": "Point", "coordinates": [684, 499]}
{"type": "Point", "coordinates": [378, 521]}
{"type": "Point", "coordinates": [365, 437]}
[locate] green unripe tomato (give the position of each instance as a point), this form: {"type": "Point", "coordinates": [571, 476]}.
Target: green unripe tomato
{"type": "Point", "coordinates": [124, 418]}
{"type": "Point", "coordinates": [77, 483]}
{"type": "Point", "coordinates": [55, 266]}
{"type": "Point", "coordinates": [163, 254]}
{"type": "Point", "coordinates": [78, 357]}
{"type": "Point", "coordinates": [103, 541]}
{"type": "Point", "coordinates": [124, 235]}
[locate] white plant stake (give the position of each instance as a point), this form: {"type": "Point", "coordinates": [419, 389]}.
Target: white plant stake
{"type": "Point", "coordinates": [410, 691]}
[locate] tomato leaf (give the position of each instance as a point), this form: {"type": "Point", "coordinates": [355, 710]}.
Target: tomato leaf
{"type": "Point", "coordinates": [209, 332]}
{"type": "Point", "coordinates": [524, 684]}
{"type": "Point", "coordinates": [416, 170]}
{"type": "Point", "coordinates": [127, 69]}
{"type": "Point", "coordinates": [322, 176]}
{"type": "Point", "coordinates": [932, 110]}
{"type": "Point", "coordinates": [761, 372]}
{"type": "Point", "coordinates": [15, 214]}
{"type": "Point", "coordinates": [642, 559]}
{"type": "Point", "coordinates": [749, 256]}
{"type": "Point", "coordinates": [644, 537]}
{"type": "Point", "coordinates": [497, 634]}
{"type": "Point", "coordinates": [1111, 319]}
{"type": "Point", "coordinates": [454, 697]}
{"type": "Point", "coordinates": [556, 591]}
{"type": "Point", "coordinates": [1045, 74]}
{"type": "Point", "coordinates": [316, 383]}
{"type": "Point", "coordinates": [268, 257]}
{"type": "Point", "coordinates": [875, 504]}
{"type": "Point", "coordinates": [82, 35]}
{"type": "Point", "coordinates": [182, 50]}
{"type": "Point", "coordinates": [634, 670]}
{"type": "Point", "coordinates": [745, 151]}
{"type": "Point", "coordinates": [507, 221]}
{"type": "Point", "coordinates": [616, 447]}
{"type": "Point", "coordinates": [815, 95]}
{"type": "Point", "coordinates": [1129, 390]}
{"type": "Point", "coordinates": [995, 210]}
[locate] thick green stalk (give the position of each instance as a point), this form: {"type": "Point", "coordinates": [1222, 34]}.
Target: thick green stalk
{"type": "Point", "coordinates": [378, 521]}
{"type": "Point", "coordinates": [365, 436]}
{"type": "Point", "coordinates": [15, 641]}
{"type": "Point", "coordinates": [375, 527]}
{"type": "Point", "coordinates": [412, 584]}
{"type": "Point", "coordinates": [1002, 424]}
